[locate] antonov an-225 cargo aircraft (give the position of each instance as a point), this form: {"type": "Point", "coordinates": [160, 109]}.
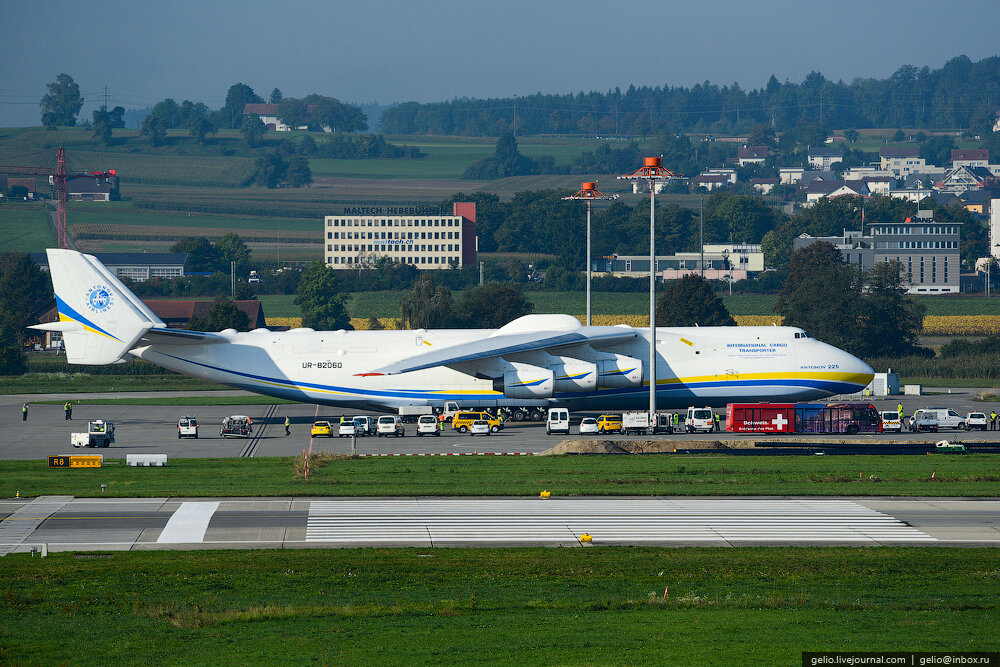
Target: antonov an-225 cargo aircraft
{"type": "Point", "coordinates": [534, 360]}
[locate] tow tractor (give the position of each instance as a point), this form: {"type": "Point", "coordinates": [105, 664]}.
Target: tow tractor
{"type": "Point", "coordinates": [100, 433]}
{"type": "Point", "coordinates": [237, 426]}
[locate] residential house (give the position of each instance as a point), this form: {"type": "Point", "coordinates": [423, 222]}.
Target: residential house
{"type": "Point", "coordinates": [977, 201]}
{"type": "Point", "coordinates": [824, 158]}
{"type": "Point", "coordinates": [790, 175]}
{"type": "Point", "coordinates": [709, 182]}
{"type": "Point", "coordinates": [269, 115]}
{"type": "Point", "coordinates": [763, 185]}
{"type": "Point", "coordinates": [970, 157]}
{"type": "Point", "coordinates": [965, 178]}
{"type": "Point", "coordinates": [730, 174]}
{"type": "Point", "coordinates": [751, 155]}
{"type": "Point", "coordinates": [819, 189]}
{"type": "Point", "coordinates": [879, 185]}
{"type": "Point", "coordinates": [90, 188]}
{"type": "Point", "coordinates": [857, 173]}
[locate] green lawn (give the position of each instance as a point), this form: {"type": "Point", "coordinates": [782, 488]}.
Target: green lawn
{"type": "Point", "coordinates": [596, 606]}
{"type": "Point", "coordinates": [122, 213]}
{"type": "Point", "coordinates": [52, 383]}
{"type": "Point", "coordinates": [25, 228]}
{"type": "Point", "coordinates": [669, 474]}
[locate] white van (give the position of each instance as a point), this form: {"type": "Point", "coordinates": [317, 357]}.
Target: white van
{"type": "Point", "coordinates": [366, 425]}
{"type": "Point", "coordinates": [557, 421]}
{"type": "Point", "coordinates": [187, 427]}
{"type": "Point", "coordinates": [390, 425]}
{"type": "Point", "coordinates": [699, 419]}
{"type": "Point", "coordinates": [428, 425]}
{"type": "Point", "coordinates": [891, 421]}
{"type": "Point", "coordinates": [946, 417]}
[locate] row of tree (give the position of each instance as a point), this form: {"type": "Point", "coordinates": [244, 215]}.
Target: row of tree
{"type": "Point", "coordinates": [955, 95]}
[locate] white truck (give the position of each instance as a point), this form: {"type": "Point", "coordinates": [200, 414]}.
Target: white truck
{"type": "Point", "coordinates": [410, 413]}
{"type": "Point", "coordinates": [100, 433]}
{"type": "Point", "coordinates": [638, 422]}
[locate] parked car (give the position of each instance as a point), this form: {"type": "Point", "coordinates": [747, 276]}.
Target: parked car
{"type": "Point", "coordinates": [976, 420]}
{"type": "Point", "coordinates": [480, 427]}
{"type": "Point", "coordinates": [463, 421]}
{"type": "Point", "coordinates": [390, 425]}
{"type": "Point", "coordinates": [588, 426]}
{"type": "Point", "coordinates": [428, 425]}
{"type": "Point", "coordinates": [187, 427]}
{"type": "Point", "coordinates": [365, 424]}
{"type": "Point", "coordinates": [321, 428]}
{"type": "Point", "coordinates": [347, 428]}
{"type": "Point", "coordinates": [609, 424]}
{"type": "Point", "coordinates": [557, 422]}
{"type": "Point", "coordinates": [891, 421]}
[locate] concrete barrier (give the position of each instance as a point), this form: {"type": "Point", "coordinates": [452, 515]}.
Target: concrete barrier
{"type": "Point", "coordinates": [146, 459]}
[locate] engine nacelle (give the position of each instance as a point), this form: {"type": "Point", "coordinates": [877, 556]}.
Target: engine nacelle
{"type": "Point", "coordinates": [526, 383]}
{"type": "Point", "coordinates": [575, 376]}
{"type": "Point", "coordinates": [619, 372]}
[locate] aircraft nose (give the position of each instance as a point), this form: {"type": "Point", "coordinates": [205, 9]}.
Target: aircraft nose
{"type": "Point", "coordinates": [858, 371]}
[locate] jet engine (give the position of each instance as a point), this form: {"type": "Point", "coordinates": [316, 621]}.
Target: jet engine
{"type": "Point", "coordinates": [619, 372]}
{"type": "Point", "coordinates": [532, 382]}
{"type": "Point", "coordinates": [575, 376]}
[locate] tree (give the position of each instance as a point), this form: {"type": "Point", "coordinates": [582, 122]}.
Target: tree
{"type": "Point", "coordinates": [275, 96]}
{"type": "Point", "coordinates": [690, 301]}
{"type": "Point", "coordinates": [154, 130]}
{"type": "Point", "coordinates": [62, 103]}
{"type": "Point", "coordinates": [198, 124]}
{"type": "Point", "coordinates": [323, 305]}
{"type": "Point", "coordinates": [852, 135]}
{"type": "Point", "coordinates": [374, 324]}
{"type": "Point", "coordinates": [232, 248]}
{"type": "Point", "coordinates": [202, 255]}
{"type": "Point", "coordinates": [253, 129]}
{"type": "Point", "coordinates": [428, 306]}
{"type": "Point", "coordinates": [105, 122]}
{"type": "Point", "coordinates": [762, 135]}
{"type": "Point", "coordinates": [888, 320]}
{"type": "Point", "coordinates": [822, 295]}
{"type": "Point", "coordinates": [492, 306]}
{"type": "Point", "coordinates": [271, 169]}
{"type": "Point", "coordinates": [506, 160]}
{"type": "Point", "coordinates": [224, 315]}
{"type": "Point", "coordinates": [298, 173]}
{"type": "Point", "coordinates": [937, 149]}
{"type": "Point", "coordinates": [293, 113]}
{"type": "Point", "coordinates": [238, 96]}
{"type": "Point", "coordinates": [24, 292]}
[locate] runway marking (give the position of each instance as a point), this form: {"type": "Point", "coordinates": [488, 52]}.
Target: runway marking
{"type": "Point", "coordinates": [22, 522]}
{"type": "Point", "coordinates": [440, 521]}
{"type": "Point", "coordinates": [188, 523]}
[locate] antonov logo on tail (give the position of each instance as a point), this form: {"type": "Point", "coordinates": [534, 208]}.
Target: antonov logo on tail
{"type": "Point", "coordinates": [99, 298]}
{"type": "Point", "coordinates": [536, 360]}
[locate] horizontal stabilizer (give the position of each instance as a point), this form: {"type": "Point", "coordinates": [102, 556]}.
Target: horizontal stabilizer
{"type": "Point", "coordinates": [162, 336]}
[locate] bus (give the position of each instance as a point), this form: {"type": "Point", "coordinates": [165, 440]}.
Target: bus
{"type": "Point", "coordinates": [849, 418]}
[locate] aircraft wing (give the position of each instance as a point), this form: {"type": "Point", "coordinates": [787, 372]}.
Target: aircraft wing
{"type": "Point", "coordinates": [497, 346]}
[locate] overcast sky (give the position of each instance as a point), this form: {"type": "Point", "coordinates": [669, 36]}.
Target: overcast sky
{"type": "Point", "coordinates": [395, 50]}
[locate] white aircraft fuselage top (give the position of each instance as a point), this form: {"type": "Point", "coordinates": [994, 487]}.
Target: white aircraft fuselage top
{"type": "Point", "coordinates": [372, 369]}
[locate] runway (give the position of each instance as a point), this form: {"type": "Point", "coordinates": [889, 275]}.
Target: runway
{"type": "Point", "coordinates": [63, 523]}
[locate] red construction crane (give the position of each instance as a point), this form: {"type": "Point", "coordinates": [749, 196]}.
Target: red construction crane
{"type": "Point", "coordinates": [58, 178]}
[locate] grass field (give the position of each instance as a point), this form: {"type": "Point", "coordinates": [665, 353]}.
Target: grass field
{"type": "Point", "coordinates": [53, 383]}
{"type": "Point", "coordinates": [25, 228]}
{"type": "Point", "coordinates": [671, 474]}
{"type": "Point", "coordinates": [596, 606]}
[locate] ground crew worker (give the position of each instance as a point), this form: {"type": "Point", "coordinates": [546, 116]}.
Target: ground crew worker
{"type": "Point", "coordinates": [899, 409]}
{"type": "Point", "coordinates": [716, 420]}
{"type": "Point", "coordinates": [288, 422]}
{"type": "Point", "coordinates": [441, 424]}
{"type": "Point", "coordinates": [24, 412]}
{"type": "Point", "coordinates": [341, 419]}
{"type": "Point", "coordinates": [68, 409]}
{"type": "Point", "coordinates": [993, 420]}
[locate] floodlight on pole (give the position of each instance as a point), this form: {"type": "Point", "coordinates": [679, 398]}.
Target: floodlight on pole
{"type": "Point", "coordinates": [652, 170]}
{"type": "Point", "coordinates": [589, 193]}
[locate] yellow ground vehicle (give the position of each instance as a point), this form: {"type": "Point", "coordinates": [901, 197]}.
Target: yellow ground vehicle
{"type": "Point", "coordinates": [463, 420]}
{"type": "Point", "coordinates": [321, 428]}
{"type": "Point", "coordinates": [609, 424]}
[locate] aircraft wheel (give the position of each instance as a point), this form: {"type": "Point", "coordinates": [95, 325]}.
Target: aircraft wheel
{"type": "Point", "coordinates": [518, 415]}
{"type": "Point", "coordinates": [536, 415]}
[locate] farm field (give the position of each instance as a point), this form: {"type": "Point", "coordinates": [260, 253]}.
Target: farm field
{"type": "Point", "coordinates": [25, 229]}
{"type": "Point", "coordinates": [601, 605]}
